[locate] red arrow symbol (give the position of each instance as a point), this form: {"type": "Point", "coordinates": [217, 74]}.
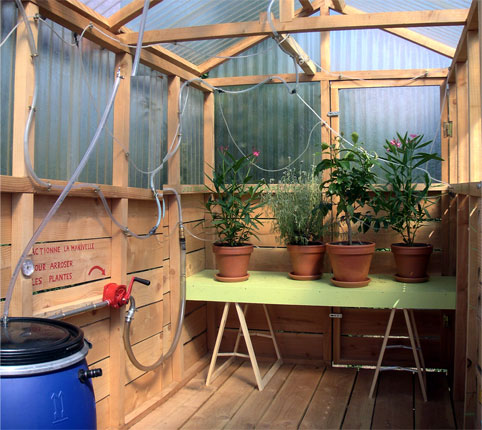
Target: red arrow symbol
{"type": "Point", "coordinates": [97, 267]}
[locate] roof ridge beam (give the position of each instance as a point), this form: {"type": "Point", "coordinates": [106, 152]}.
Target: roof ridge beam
{"type": "Point", "coordinates": [302, 25]}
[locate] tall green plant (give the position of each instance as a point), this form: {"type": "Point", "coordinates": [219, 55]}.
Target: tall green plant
{"type": "Point", "coordinates": [298, 208]}
{"type": "Point", "coordinates": [233, 202]}
{"type": "Point", "coordinates": [351, 180]}
{"type": "Point", "coordinates": [404, 200]}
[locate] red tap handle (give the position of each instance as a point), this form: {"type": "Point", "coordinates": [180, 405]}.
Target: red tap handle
{"type": "Point", "coordinates": [129, 289]}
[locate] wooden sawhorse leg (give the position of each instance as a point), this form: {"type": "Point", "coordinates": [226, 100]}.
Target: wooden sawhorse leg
{"type": "Point", "coordinates": [243, 331]}
{"type": "Point", "coordinates": [415, 347]}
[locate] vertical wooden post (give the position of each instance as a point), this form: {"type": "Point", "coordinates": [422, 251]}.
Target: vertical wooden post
{"type": "Point", "coordinates": [208, 136]}
{"type": "Point", "coordinates": [460, 363]}
{"type": "Point", "coordinates": [475, 113]}
{"type": "Point", "coordinates": [473, 329]}
{"type": "Point", "coordinates": [462, 123]}
{"type": "Point", "coordinates": [325, 63]}
{"type": "Point", "coordinates": [174, 174]}
{"type": "Point", "coordinates": [444, 138]}
{"type": "Point", "coordinates": [452, 143]}
{"type": "Point", "coordinates": [22, 204]}
{"type": "Point", "coordinates": [209, 160]}
{"type": "Point", "coordinates": [286, 10]}
{"type": "Point", "coordinates": [120, 173]}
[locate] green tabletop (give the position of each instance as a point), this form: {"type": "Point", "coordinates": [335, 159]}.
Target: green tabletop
{"type": "Point", "coordinates": [276, 288]}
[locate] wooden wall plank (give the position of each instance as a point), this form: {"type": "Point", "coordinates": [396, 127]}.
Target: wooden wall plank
{"type": "Point", "coordinates": [148, 322]}
{"type": "Point", "coordinates": [56, 299]}
{"type": "Point", "coordinates": [145, 254]}
{"type": "Point", "coordinates": [103, 413]}
{"type": "Point", "coordinates": [144, 294]}
{"type": "Point", "coordinates": [195, 262]}
{"type": "Point", "coordinates": [77, 218]}
{"type": "Point", "coordinates": [444, 138]}
{"type": "Point", "coordinates": [5, 218]}
{"type": "Point", "coordinates": [5, 268]}
{"type": "Point", "coordinates": [194, 351]}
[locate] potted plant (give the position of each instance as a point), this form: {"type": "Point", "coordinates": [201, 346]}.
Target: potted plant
{"type": "Point", "coordinates": [405, 201]}
{"type": "Point", "coordinates": [233, 206]}
{"type": "Point", "coordinates": [351, 185]}
{"type": "Point", "coordinates": [299, 211]}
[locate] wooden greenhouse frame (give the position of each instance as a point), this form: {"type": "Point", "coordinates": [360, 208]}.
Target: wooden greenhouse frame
{"type": "Point", "coordinates": [125, 394]}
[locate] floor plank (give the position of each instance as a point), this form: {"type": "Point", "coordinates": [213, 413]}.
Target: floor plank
{"type": "Point", "coordinates": [218, 410]}
{"type": "Point", "coordinates": [304, 396]}
{"type": "Point", "coordinates": [434, 413]}
{"type": "Point", "coordinates": [394, 402]}
{"type": "Point", "coordinates": [289, 406]}
{"type": "Point", "coordinates": [360, 409]}
{"type": "Point", "coordinates": [328, 405]}
{"type": "Point", "coordinates": [259, 401]}
{"type": "Point", "coordinates": [173, 413]}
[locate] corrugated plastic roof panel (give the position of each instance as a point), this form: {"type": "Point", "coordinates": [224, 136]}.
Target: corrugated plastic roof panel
{"type": "Point", "coordinates": [186, 13]}
{"type": "Point", "coordinates": [448, 35]}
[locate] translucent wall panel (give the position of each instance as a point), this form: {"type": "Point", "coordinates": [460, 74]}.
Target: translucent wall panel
{"type": "Point", "coordinates": [71, 100]}
{"type": "Point", "coordinates": [8, 20]}
{"type": "Point", "coordinates": [272, 121]}
{"type": "Point", "coordinates": [377, 114]}
{"type": "Point", "coordinates": [192, 158]}
{"type": "Point", "coordinates": [378, 50]}
{"type": "Point", "coordinates": [148, 127]}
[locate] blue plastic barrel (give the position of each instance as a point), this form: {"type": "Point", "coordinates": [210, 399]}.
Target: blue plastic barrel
{"type": "Point", "coordinates": [44, 379]}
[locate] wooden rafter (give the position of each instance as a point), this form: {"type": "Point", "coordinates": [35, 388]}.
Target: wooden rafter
{"type": "Point", "coordinates": [74, 21]}
{"type": "Point", "coordinates": [291, 46]}
{"type": "Point", "coordinates": [249, 42]}
{"type": "Point", "coordinates": [335, 77]}
{"type": "Point", "coordinates": [311, 24]}
{"type": "Point", "coordinates": [307, 6]}
{"type": "Point", "coordinates": [404, 33]}
{"type": "Point", "coordinates": [128, 13]}
{"type": "Point", "coordinates": [339, 5]}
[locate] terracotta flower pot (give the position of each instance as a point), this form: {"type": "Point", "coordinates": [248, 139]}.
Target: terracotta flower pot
{"type": "Point", "coordinates": [350, 263]}
{"type": "Point", "coordinates": [412, 261]}
{"type": "Point", "coordinates": [306, 261]}
{"type": "Point", "coordinates": [232, 262]}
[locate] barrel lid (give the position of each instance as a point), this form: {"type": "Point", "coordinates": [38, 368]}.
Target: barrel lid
{"type": "Point", "coordinates": [37, 340]}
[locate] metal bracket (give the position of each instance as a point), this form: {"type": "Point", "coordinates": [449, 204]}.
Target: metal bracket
{"type": "Point", "coordinates": [336, 315]}
{"type": "Point", "coordinates": [332, 114]}
{"type": "Point", "coordinates": [447, 128]}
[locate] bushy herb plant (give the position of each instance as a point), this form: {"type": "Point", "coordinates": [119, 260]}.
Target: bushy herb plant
{"type": "Point", "coordinates": [234, 201]}
{"type": "Point", "coordinates": [351, 180]}
{"type": "Point", "coordinates": [298, 208]}
{"type": "Point", "coordinates": [404, 200]}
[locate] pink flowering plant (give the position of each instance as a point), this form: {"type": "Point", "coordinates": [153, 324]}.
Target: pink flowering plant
{"type": "Point", "coordinates": [402, 198]}
{"type": "Point", "coordinates": [234, 201]}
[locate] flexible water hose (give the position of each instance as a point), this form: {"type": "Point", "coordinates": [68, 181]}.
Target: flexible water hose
{"type": "Point", "coordinates": [60, 199]}
{"type": "Point", "coordinates": [182, 304]}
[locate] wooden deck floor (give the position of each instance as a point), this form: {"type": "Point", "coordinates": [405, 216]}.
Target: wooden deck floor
{"type": "Point", "coordinates": [305, 397]}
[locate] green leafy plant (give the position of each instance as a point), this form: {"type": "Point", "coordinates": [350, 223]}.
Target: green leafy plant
{"type": "Point", "coordinates": [234, 201]}
{"type": "Point", "coordinates": [402, 198]}
{"type": "Point", "coordinates": [298, 208]}
{"type": "Point", "coordinates": [351, 180]}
